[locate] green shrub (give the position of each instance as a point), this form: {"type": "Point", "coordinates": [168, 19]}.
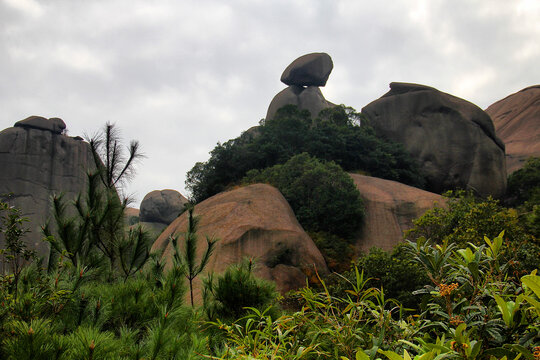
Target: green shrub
{"type": "Point", "coordinates": [227, 296]}
{"type": "Point", "coordinates": [322, 195]}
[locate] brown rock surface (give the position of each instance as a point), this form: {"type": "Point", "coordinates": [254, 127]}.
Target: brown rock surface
{"type": "Point", "coordinates": [37, 162]}
{"type": "Point", "coordinates": [310, 98]}
{"type": "Point", "coordinates": [453, 139]}
{"type": "Point", "coordinates": [256, 222]}
{"type": "Point", "coordinates": [390, 209]}
{"type": "Point", "coordinates": [517, 123]}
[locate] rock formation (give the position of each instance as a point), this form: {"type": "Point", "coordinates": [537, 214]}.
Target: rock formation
{"type": "Point", "coordinates": [162, 206]}
{"type": "Point", "coordinates": [517, 123]}
{"type": "Point", "coordinates": [453, 140]}
{"type": "Point", "coordinates": [304, 76]}
{"type": "Point", "coordinates": [390, 209]}
{"type": "Point", "coordinates": [256, 222]}
{"type": "Point", "coordinates": [37, 160]}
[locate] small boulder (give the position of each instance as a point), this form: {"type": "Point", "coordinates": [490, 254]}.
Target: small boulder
{"type": "Point", "coordinates": [308, 70]}
{"type": "Point", "coordinates": [162, 206]}
{"type": "Point", "coordinates": [453, 140]}
{"type": "Point", "coordinates": [517, 123]}
{"type": "Point", "coordinates": [54, 125]}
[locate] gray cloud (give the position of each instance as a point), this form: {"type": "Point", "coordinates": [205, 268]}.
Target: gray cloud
{"type": "Point", "coordinates": [182, 75]}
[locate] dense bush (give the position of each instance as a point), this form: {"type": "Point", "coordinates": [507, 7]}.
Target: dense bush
{"type": "Point", "coordinates": [227, 296]}
{"type": "Point", "coordinates": [322, 195]}
{"type": "Point", "coordinates": [524, 184]}
{"type": "Point", "coordinates": [335, 135]}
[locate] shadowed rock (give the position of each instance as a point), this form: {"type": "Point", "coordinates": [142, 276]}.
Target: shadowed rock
{"type": "Point", "coordinates": [162, 206]}
{"type": "Point", "coordinates": [36, 161]}
{"type": "Point", "coordinates": [308, 70]}
{"type": "Point", "coordinates": [517, 123]}
{"type": "Point", "coordinates": [310, 98]}
{"type": "Point", "coordinates": [390, 209]}
{"type": "Point", "coordinates": [256, 222]}
{"type": "Point", "coordinates": [453, 139]}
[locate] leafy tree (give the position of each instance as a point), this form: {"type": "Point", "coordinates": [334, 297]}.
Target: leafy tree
{"type": "Point", "coordinates": [185, 258]}
{"type": "Point", "coordinates": [322, 195]}
{"type": "Point", "coordinates": [336, 135]}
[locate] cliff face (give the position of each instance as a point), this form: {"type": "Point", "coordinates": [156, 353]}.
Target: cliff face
{"type": "Point", "coordinates": [517, 123]}
{"type": "Point", "coordinates": [36, 161]}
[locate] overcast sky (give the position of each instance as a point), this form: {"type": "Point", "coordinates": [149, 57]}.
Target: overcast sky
{"type": "Point", "coordinates": [180, 76]}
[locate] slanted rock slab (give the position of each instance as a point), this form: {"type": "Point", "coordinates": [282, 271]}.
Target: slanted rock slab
{"type": "Point", "coordinates": [308, 70]}
{"type": "Point", "coordinates": [517, 123]}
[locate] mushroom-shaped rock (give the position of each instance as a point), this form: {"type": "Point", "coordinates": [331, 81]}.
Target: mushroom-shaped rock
{"type": "Point", "coordinates": [55, 125]}
{"type": "Point", "coordinates": [310, 98]}
{"type": "Point", "coordinates": [453, 140]}
{"type": "Point", "coordinates": [391, 208]}
{"type": "Point", "coordinates": [517, 123]}
{"type": "Point", "coordinates": [162, 206]}
{"type": "Point", "coordinates": [255, 222]}
{"type": "Point", "coordinates": [308, 70]}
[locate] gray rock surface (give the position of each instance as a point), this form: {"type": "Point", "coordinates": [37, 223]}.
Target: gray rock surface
{"type": "Point", "coordinates": [308, 70]}
{"type": "Point", "coordinates": [36, 160]}
{"type": "Point", "coordinates": [55, 125]}
{"type": "Point", "coordinates": [310, 98]}
{"type": "Point", "coordinates": [453, 139]}
{"type": "Point", "coordinates": [162, 206]}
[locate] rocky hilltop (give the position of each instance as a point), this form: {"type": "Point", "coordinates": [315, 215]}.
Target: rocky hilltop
{"type": "Point", "coordinates": [517, 123]}
{"type": "Point", "coordinates": [37, 160]}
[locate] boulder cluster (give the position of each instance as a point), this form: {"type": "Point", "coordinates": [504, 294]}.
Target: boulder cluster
{"type": "Point", "coordinates": [304, 76]}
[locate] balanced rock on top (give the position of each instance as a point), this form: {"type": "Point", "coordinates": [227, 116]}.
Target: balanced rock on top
{"type": "Point", "coordinates": [304, 76]}
{"type": "Point", "coordinates": [308, 70]}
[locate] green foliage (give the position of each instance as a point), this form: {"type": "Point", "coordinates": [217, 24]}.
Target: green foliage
{"type": "Point", "coordinates": [92, 231]}
{"type": "Point", "coordinates": [185, 259]}
{"type": "Point", "coordinates": [394, 271]}
{"type": "Point", "coordinates": [335, 135]}
{"type": "Point", "coordinates": [227, 296]}
{"type": "Point", "coordinates": [524, 184]}
{"type": "Point", "coordinates": [322, 195]}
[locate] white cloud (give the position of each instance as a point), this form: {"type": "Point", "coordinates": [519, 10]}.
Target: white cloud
{"type": "Point", "coordinates": [28, 7]}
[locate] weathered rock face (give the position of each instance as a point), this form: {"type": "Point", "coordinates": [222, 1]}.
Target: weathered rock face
{"type": "Point", "coordinates": [453, 140]}
{"type": "Point", "coordinates": [517, 123]}
{"type": "Point", "coordinates": [256, 222]}
{"type": "Point", "coordinates": [390, 209]}
{"type": "Point", "coordinates": [308, 70]}
{"type": "Point", "coordinates": [36, 160]}
{"type": "Point", "coordinates": [304, 76]}
{"type": "Point", "coordinates": [162, 206]}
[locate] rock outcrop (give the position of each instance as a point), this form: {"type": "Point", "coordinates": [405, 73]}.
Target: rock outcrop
{"type": "Point", "coordinates": [256, 222]}
{"type": "Point", "coordinates": [162, 206]}
{"type": "Point", "coordinates": [517, 123]}
{"type": "Point", "coordinates": [304, 76]}
{"type": "Point", "coordinates": [36, 160]}
{"type": "Point", "coordinates": [390, 209]}
{"type": "Point", "coordinates": [453, 140]}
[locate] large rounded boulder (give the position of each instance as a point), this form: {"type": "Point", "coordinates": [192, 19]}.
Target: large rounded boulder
{"type": "Point", "coordinates": [162, 206]}
{"type": "Point", "coordinates": [255, 222]}
{"type": "Point", "coordinates": [517, 123]}
{"type": "Point", "coordinates": [453, 140]}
